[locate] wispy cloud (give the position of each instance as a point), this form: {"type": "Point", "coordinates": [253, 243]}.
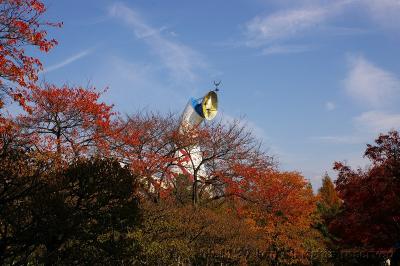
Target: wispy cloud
{"type": "Point", "coordinates": [299, 19]}
{"type": "Point", "coordinates": [181, 60]}
{"type": "Point", "coordinates": [384, 12]}
{"type": "Point", "coordinates": [302, 18]}
{"type": "Point", "coordinates": [377, 121]}
{"type": "Point", "coordinates": [283, 25]}
{"type": "Point", "coordinates": [369, 84]}
{"type": "Point", "coordinates": [286, 49]}
{"type": "Point", "coordinates": [140, 86]}
{"type": "Point", "coordinates": [366, 127]}
{"type": "Point", "coordinates": [376, 89]}
{"type": "Point", "coordinates": [68, 60]}
{"type": "Point", "coordinates": [273, 31]}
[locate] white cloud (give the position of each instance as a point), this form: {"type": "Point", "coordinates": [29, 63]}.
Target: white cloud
{"type": "Point", "coordinates": [296, 19]}
{"type": "Point", "coordinates": [285, 49]}
{"type": "Point", "coordinates": [68, 61]}
{"type": "Point", "coordinates": [330, 106]}
{"type": "Point", "coordinates": [291, 23]}
{"type": "Point", "coordinates": [370, 84]}
{"type": "Point", "coordinates": [283, 25]}
{"type": "Point", "coordinates": [377, 121]}
{"type": "Point", "coordinates": [180, 60]}
{"type": "Point", "coordinates": [385, 12]}
{"type": "Point", "coordinates": [140, 86]}
{"type": "Point", "coordinates": [366, 127]}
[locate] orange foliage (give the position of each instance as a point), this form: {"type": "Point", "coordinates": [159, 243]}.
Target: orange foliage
{"type": "Point", "coordinates": [68, 121]}
{"type": "Point", "coordinates": [279, 206]}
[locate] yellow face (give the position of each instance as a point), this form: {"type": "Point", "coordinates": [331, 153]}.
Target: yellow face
{"type": "Point", "coordinates": [210, 105]}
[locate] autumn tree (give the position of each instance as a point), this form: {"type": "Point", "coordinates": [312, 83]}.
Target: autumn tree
{"type": "Point", "coordinates": [328, 199]}
{"type": "Point", "coordinates": [204, 235]}
{"type": "Point", "coordinates": [270, 223]}
{"type": "Point", "coordinates": [12, 137]}
{"type": "Point", "coordinates": [150, 145]}
{"type": "Point", "coordinates": [51, 214]}
{"type": "Point", "coordinates": [66, 121]}
{"type": "Point", "coordinates": [225, 149]}
{"type": "Point", "coordinates": [146, 143]}
{"type": "Point", "coordinates": [21, 26]}
{"type": "Point", "coordinates": [328, 205]}
{"type": "Point", "coordinates": [280, 206]}
{"type": "Point", "coordinates": [371, 197]}
{"type": "Point", "coordinates": [272, 209]}
{"type": "Point", "coordinates": [232, 206]}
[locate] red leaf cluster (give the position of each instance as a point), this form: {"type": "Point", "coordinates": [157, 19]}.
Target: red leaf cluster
{"type": "Point", "coordinates": [371, 197]}
{"type": "Point", "coordinates": [21, 27]}
{"type": "Point", "coordinates": [68, 120]}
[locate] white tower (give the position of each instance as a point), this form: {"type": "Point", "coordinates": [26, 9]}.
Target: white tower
{"type": "Point", "coordinates": [190, 158]}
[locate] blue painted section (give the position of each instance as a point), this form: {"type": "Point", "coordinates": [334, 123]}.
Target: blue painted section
{"type": "Point", "coordinates": [196, 104]}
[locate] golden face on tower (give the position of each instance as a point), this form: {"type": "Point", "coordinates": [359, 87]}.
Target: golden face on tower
{"type": "Point", "coordinates": [210, 105]}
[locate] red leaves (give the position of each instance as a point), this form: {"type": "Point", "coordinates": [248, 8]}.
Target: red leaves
{"type": "Point", "coordinates": [38, 6]}
{"type": "Point", "coordinates": [371, 197]}
{"type": "Point", "coordinates": [68, 120]}
{"type": "Point", "coordinates": [278, 206]}
{"type": "Point", "coordinates": [387, 148]}
{"type": "Point", "coordinates": [263, 193]}
{"type": "Point", "coordinates": [21, 27]}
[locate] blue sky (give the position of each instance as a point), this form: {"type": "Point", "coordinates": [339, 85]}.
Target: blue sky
{"type": "Point", "coordinates": [315, 80]}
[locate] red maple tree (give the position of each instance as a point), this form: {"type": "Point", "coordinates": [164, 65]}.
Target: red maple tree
{"type": "Point", "coordinates": [371, 198]}
{"type": "Point", "coordinates": [68, 121]}
{"type": "Point", "coordinates": [21, 26]}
